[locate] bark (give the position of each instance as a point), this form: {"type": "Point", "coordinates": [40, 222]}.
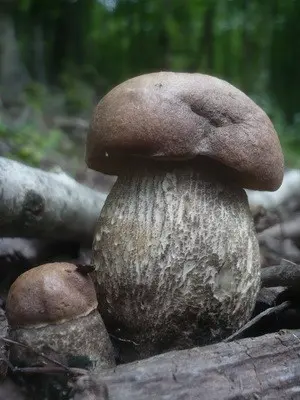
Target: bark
{"type": "Point", "coordinates": [13, 74]}
{"type": "Point", "coordinates": [51, 205]}
{"type": "Point", "coordinates": [267, 296]}
{"type": "Point", "coordinates": [265, 367]}
{"type": "Point", "coordinates": [287, 274]}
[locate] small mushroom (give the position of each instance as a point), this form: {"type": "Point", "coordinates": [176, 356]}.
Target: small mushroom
{"type": "Point", "coordinates": [53, 309]}
{"type": "Point", "coordinates": [175, 249]}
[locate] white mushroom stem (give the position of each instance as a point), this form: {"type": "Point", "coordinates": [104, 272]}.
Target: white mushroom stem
{"type": "Point", "coordinates": [35, 203]}
{"type": "Point", "coordinates": [177, 257]}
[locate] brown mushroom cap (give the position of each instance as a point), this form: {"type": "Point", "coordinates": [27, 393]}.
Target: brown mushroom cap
{"type": "Point", "coordinates": [50, 293]}
{"type": "Point", "coordinates": [183, 116]}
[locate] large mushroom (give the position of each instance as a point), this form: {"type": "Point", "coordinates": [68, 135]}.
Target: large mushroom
{"type": "Point", "coordinates": [53, 309]}
{"type": "Point", "coordinates": [175, 249]}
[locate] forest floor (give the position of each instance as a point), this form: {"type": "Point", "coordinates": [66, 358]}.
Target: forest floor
{"type": "Point", "coordinates": [37, 138]}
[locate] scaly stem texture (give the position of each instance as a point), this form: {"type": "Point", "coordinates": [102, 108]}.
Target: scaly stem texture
{"type": "Point", "coordinates": [177, 258]}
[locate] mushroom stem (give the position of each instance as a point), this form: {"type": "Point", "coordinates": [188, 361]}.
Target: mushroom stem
{"type": "Point", "coordinates": [67, 340]}
{"type": "Point", "coordinates": [177, 258]}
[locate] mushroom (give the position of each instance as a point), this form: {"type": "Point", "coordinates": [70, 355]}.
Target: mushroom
{"type": "Point", "coordinates": [53, 310]}
{"type": "Point", "coordinates": [175, 249]}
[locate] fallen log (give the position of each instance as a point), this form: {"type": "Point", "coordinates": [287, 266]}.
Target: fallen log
{"type": "Point", "coordinates": [287, 274]}
{"type": "Point", "coordinates": [50, 205]}
{"type": "Point", "coordinates": [265, 367]}
{"type": "Point", "coordinates": [283, 230]}
{"type": "Point", "coordinates": [267, 297]}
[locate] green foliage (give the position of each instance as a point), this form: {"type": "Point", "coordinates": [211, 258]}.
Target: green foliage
{"type": "Point", "coordinates": [36, 95]}
{"type": "Point", "coordinates": [248, 42]}
{"type": "Point", "coordinates": [251, 43]}
{"type": "Point", "coordinates": [78, 95]}
{"type": "Point", "coordinates": [27, 144]}
{"type": "Point", "coordinates": [288, 132]}
{"type": "Point", "coordinates": [290, 142]}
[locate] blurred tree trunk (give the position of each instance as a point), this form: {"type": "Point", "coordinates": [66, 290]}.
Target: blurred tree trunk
{"type": "Point", "coordinates": [39, 54]}
{"type": "Point", "coordinates": [208, 37]}
{"type": "Point", "coordinates": [13, 74]}
{"type": "Point", "coordinates": [247, 49]}
{"type": "Point", "coordinates": [164, 39]}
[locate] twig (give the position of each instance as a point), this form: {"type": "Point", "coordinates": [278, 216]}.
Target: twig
{"type": "Point", "coordinates": [25, 346]}
{"type": "Point", "coordinates": [256, 319]}
{"type": "Point", "coordinates": [33, 370]}
{"type": "Point", "coordinates": [124, 340]}
{"type": "Point", "coordinates": [49, 370]}
{"type": "Point", "coordinates": [8, 363]}
{"type": "Point", "coordinates": [58, 369]}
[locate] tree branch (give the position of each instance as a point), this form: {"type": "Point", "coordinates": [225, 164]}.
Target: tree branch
{"type": "Point", "coordinates": [265, 367]}
{"type": "Point", "coordinates": [35, 203]}
{"type": "Point", "coordinates": [287, 274]}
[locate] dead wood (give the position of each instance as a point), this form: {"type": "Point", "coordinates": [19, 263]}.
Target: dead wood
{"type": "Point", "coordinates": [256, 319]}
{"type": "Point", "coordinates": [39, 204]}
{"type": "Point", "coordinates": [286, 274]}
{"type": "Point", "coordinates": [284, 230]}
{"type": "Point", "coordinates": [265, 367]}
{"type": "Point", "coordinates": [267, 297]}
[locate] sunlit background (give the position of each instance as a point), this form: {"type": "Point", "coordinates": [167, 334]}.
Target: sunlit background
{"type": "Point", "coordinates": [58, 57]}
